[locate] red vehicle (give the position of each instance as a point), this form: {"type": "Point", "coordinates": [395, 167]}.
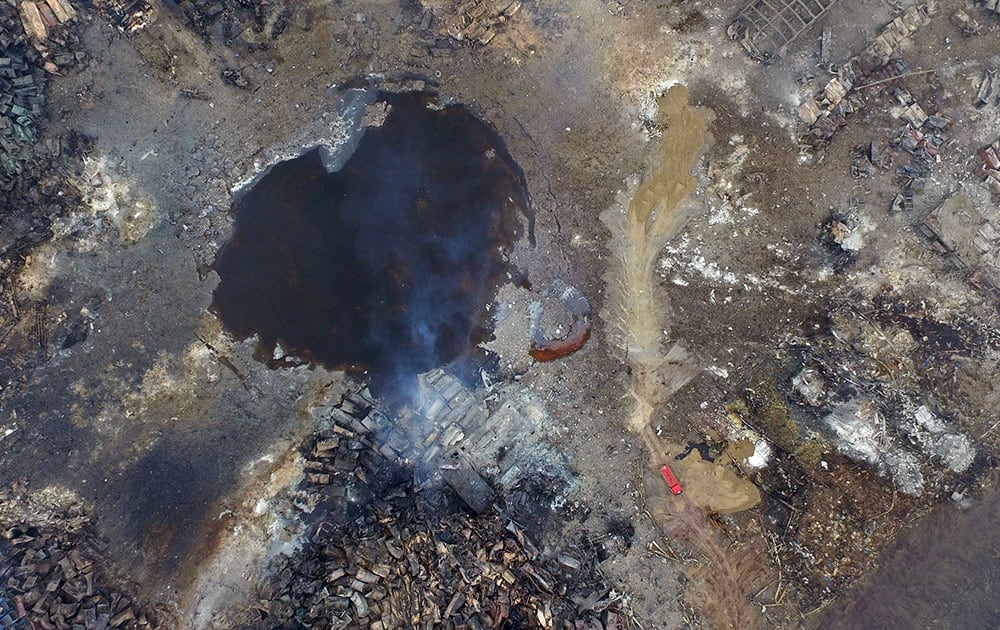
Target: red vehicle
{"type": "Point", "coordinates": [668, 476]}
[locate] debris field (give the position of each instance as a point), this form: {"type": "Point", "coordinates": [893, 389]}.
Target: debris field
{"type": "Point", "coordinates": [582, 314]}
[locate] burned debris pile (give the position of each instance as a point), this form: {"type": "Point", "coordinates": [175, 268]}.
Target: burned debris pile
{"type": "Point", "coordinates": [52, 576]}
{"type": "Point", "coordinates": [233, 20]}
{"type": "Point", "coordinates": [875, 66]}
{"type": "Point", "coordinates": [389, 547]}
{"type": "Point", "coordinates": [25, 58]}
{"type": "Point", "coordinates": [477, 21]}
{"type": "Point", "coordinates": [412, 559]}
{"type": "Point", "coordinates": [128, 16]}
{"type": "Point", "coordinates": [861, 379]}
{"type": "Point", "coordinates": [765, 29]}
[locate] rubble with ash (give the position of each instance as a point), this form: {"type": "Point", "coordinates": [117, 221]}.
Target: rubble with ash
{"type": "Point", "coordinates": [53, 573]}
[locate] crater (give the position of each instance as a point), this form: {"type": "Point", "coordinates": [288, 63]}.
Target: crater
{"type": "Point", "coordinates": [386, 265]}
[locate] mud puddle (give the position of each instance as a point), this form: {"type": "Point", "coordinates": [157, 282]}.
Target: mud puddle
{"type": "Point", "coordinates": [386, 265]}
{"type": "Point", "coordinates": [639, 231]}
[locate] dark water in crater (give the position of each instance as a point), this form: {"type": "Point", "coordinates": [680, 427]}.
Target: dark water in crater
{"type": "Point", "coordinates": [944, 572]}
{"type": "Point", "coordinates": [386, 265]}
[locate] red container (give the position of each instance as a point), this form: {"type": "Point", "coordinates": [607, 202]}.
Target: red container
{"type": "Point", "coordinates": [668, 476]}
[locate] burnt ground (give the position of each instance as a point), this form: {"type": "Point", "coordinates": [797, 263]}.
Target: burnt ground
{"type": "Point", "coordinates": [818, 321]}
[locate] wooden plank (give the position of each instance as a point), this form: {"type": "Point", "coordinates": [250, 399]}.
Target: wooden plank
{"type": "Point", "coordinates": [31, 18]}
{"type": "Point", "coordinates": [62, 9]}
{"type": "Point", "coordinates": [48, 16]}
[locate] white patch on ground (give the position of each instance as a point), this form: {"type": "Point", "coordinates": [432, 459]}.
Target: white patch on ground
{"type": "Point", "coordinates": [41, 267]}
{"type": "Point", "coordinates": [761, 454]}
{"type": "Point", "coordinates": [718, 371]}
{"type": "Point", "coordinates": [259, 530]}
{"type": "Point", "coordinates": [856, 432]}
{"type": "Point", "coordinates": [683, 261]}
{"type": "Point", "coordinates": [711, 271]}
{"type": "Point", "coordinates": [811, 385]}
{"type": "Point", "coordinates": [737, 431]}
{"type": "Point", "coordinates": [860, 434]}
{"type": "Point", "coordinates": [850, 234]}
{"type": "Point", "coordinates": [112, 207]}
{"type": "Point", "coordinates": [939, 439]}
{"type": "Point", "coordinates": [719, 213]}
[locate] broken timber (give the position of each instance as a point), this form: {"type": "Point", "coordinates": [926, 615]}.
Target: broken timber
{"type": "Point", "coordinates": [765, 28]}
{"type": "Point", "coordinates": [843, 95]}
{"type": "Point", "coordinates": [38, 17]}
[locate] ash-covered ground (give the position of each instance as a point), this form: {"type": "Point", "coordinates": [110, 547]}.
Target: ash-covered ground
{"type": "Point", "coordinates": [778, 278]}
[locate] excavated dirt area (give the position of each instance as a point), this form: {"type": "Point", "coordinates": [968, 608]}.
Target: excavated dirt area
{"type": "Point", "coordinates": [387, 314]}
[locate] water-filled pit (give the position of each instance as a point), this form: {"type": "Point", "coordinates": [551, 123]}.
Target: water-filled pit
{"type": "Point", "coordinates": [387, 265]}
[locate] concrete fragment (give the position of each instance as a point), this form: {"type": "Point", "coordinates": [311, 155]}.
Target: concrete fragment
{"type": "Point", "coordinates": [834, 91]}
{"type": "Point", "coordinates": [986, 94]}
{"type": "Point", "coordinates": [809, 112]}
{"type": "Point", "coordinates": [914, 114]}
{"type": "Point", "coordinates": [824, 45]}
{"type": "Point", "coordinates": [47, 14]}
{"type": "Point", "coordinates": [469, 485]}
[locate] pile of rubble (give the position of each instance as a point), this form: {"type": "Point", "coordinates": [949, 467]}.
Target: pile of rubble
{"type": "Point", "coordinates": [25, 57]}
{"type": "Point", "coordinates": [922, 138]}
{"type": "Point", "coordinates": [862, 382]}
{"type": "Point", "coordinates": [841, 96]}
{"type": "Point", "coordinates": [407, 533]}
{"type": "Point", "coordinates": [53, 577]}
{"type": "Point", "coordinates": [415, 558]}
{"type": "Point", "coordinates": [128, 16]}
{"type": "Point", "coordinates": [232, 20]}
{"type": "Point", "coordinates": [477, 21]}
{"type": "Point", "coordinates": [989, 167]}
